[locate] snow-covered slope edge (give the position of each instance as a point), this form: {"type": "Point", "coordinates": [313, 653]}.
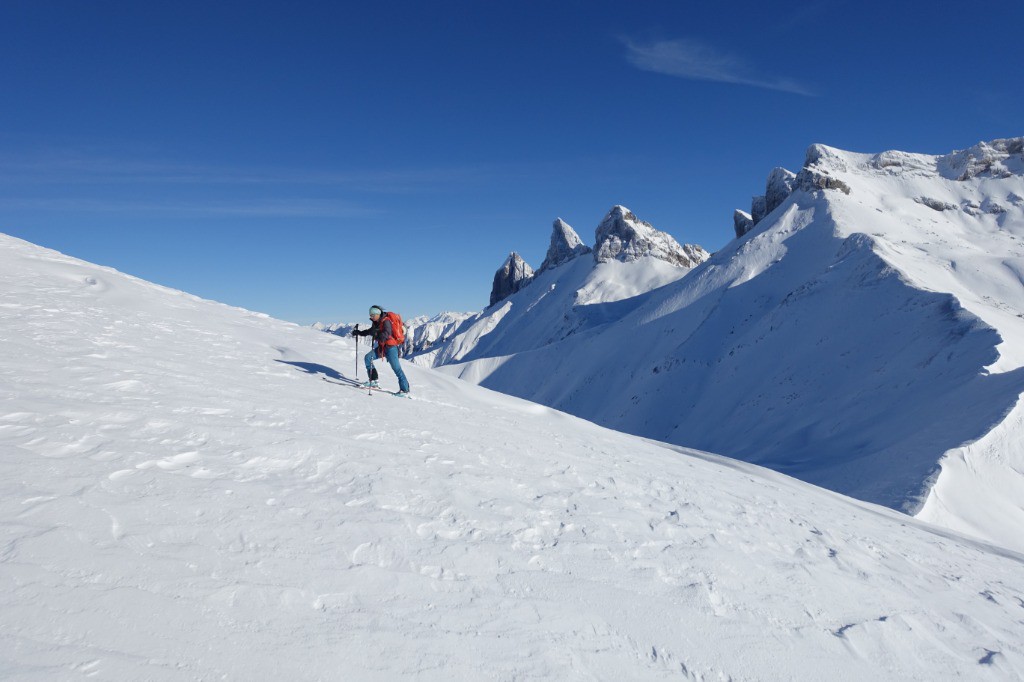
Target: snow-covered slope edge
{"type": "Point", "coordinates": [184, 495]}
{"type": "Point", "coordinates": [957, 226]}
{"type": "Point", "coordinates": [869, 324]}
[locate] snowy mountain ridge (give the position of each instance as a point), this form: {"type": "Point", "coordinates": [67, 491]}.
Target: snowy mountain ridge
{"type": "Point", "coordinates": [865, 334]}
{"type": "Point", "coordinates": [630, 258]}
{"type": "Point", "coordinates": [620, 236]}
{"type": "Point", "coordinates": [193, 491]}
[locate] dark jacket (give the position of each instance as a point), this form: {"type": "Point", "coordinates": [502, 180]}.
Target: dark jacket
{"type": "Point", "coordinates": [380, 330]}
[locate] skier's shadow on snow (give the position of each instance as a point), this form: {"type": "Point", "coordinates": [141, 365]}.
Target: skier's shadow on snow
{"type": "Point", "coordinates": [313, 368]}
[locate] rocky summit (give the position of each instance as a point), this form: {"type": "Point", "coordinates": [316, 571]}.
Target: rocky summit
{"type": "Point", "coordinates": [513, 275]}
{"type": "Point", "coordinates": [624, 237]}
{"type": "Point", "coordinates": [565, 245]}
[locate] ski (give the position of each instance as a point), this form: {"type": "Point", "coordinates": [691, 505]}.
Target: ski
{"type": "Point", "coordinates": [397, 394]}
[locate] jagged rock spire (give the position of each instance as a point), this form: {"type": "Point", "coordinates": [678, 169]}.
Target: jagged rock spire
{"type": "Point", "coordinates": [622, 236]}
{"type": "Point", "coordinates": [513, 275]}
{"type": "Point", "coordinates": [565, 245]}
{"type": "Point", "coordinates": [742, 222]}
{"type": "Point", "coordinates": [779, 186]}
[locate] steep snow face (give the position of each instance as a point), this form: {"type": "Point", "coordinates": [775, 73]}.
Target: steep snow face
{"type": "Point", "coordinates": [624, 237]}
{"type": "Point", "coordinates": [957, 226]}
{"type": "Point", "coordinates": [952, 224]}
{"type": "Point", "coordinates": [863, 337]}
{"type": "Point", "coordinates": [192, 491]}
{"type": "Point", "coordinates": [565, 245]}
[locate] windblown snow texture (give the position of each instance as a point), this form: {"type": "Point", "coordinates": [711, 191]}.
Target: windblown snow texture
{"type": "Point", "coordinates": [183, 496]}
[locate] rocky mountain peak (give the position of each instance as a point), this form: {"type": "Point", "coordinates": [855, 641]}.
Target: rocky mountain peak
{"type": "Point", "coordinates": [817, 174]}
{"type": "Point", "coordinates": [624, 237]}
{"type": "Point", "coordinates": [513, 275]}
{"type": "Point", "coordinates": [565, 245]}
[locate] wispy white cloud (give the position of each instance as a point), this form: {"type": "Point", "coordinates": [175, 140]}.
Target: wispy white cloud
{"type": "Point", "coordinates": [696, 61]}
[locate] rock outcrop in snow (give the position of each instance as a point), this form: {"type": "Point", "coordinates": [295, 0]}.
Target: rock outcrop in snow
{"type": "Point", "coordinates": [742, 222]}
{"type": "Point", "coordinates": [820, 168]}
{"type": "Point", "coordinates": [779, 186]}
{"type": "Point", "coordinates": [815, 175]}
{"type": "Point", "coordinates": [624, 237]}
{"type": "Point", "coordinates": [565, 245]}
{"type": "Point", "coordinates": [996, 159]}
{"type": "Point", "coordinates": [513, 275]}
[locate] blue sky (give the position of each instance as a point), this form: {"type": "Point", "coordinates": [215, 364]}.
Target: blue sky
{"type": "Point", "coordinates": [309, 159]}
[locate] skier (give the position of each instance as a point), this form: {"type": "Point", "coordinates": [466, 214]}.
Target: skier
{"type": "Point", "coordinates": [388, 334]}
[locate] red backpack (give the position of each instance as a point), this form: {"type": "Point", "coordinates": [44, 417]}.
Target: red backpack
{"type": "Point", "coordinates": [397, 329]}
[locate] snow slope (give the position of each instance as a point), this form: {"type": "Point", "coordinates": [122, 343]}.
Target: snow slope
{"type": "Point", "coordinates": [192, 491]}
{"type": "Point", "coordinates": [556, 304]}
{"type": "Point", "coordinates": [867, 337]}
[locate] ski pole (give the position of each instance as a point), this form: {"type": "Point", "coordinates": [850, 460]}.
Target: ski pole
{"type": "Point", "coordinates": [357, 354]}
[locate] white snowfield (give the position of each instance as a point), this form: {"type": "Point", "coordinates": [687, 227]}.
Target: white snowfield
{"type": "Point", "coordinates": [867, 338]}
{"type": "Point", "coordinates": [190, 491]}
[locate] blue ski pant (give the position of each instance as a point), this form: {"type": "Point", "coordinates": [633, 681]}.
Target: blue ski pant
{"type": "Point", "coordinates": [391, 355]}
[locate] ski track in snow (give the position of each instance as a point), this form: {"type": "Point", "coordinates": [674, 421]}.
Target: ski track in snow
{"type": "Point", "coordinates": [184, 497]}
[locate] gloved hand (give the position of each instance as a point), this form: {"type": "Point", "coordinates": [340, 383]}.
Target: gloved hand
{"type": "Point", "coordinates": [355, 332]}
